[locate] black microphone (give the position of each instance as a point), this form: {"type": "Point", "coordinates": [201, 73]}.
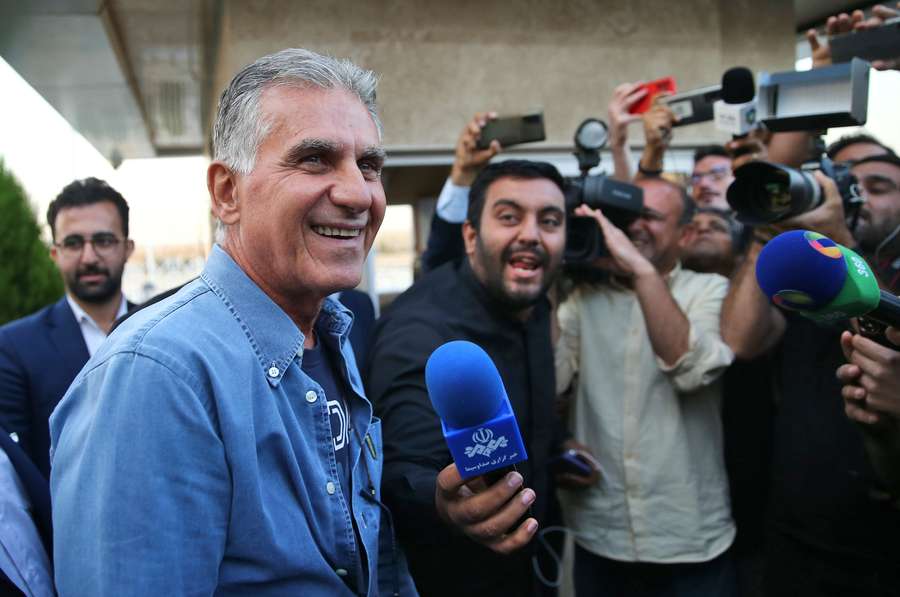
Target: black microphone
{"type": "Point", "coordinates": [735, 113]}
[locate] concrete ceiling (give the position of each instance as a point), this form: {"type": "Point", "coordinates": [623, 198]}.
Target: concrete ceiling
{"type": "Point", "coordinates": [132, 76]}
{"type": "Point", "coordinates": [135, 76]}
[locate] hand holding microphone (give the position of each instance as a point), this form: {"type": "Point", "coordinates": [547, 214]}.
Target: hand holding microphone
{"type": "Point", "coordinates": [871, 379]}
{"type": "Point", "coordinates": [483, 437]}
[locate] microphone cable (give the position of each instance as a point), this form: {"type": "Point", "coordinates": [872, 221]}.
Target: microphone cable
{"type": "Point", "coordinates": [554, 555]}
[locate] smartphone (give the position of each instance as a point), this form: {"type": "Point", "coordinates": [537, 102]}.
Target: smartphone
{"type": "Point", "coordinates": [513, 130]}
{"type": "Point", "coordinates": [654, 88]}
{"type": "Point", "coordinates": [874, 330]}
{"type": "Point", "coordinates": [570, 462]}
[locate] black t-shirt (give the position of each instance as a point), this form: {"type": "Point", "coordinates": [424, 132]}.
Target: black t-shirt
{"type": "Point", "coordinates": [319, 364]}
{"type": "Point", "coordinates": [822, 483]}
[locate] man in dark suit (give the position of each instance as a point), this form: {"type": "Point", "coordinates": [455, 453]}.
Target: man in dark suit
{"type": "Point", "coordinates": [40, 354]}
{"type": "Point", "coordinates": [360, 303]}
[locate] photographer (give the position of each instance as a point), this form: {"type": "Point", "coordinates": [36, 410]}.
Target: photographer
{"type": "Point", "coordinates": [827, 533]}
{"type": "Point", "coordinates": [647, 352]}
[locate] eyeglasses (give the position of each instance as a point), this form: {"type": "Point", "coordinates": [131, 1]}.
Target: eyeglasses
{"type": "Point", "coordinates": [103, 243]}
{"type": "Point", "coordinates": [716, 174]}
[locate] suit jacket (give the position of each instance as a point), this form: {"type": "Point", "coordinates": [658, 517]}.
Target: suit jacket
{"type": "Point", "coordinates": [38, 492]}
{"type": "Point", "coordinates": [360, 304]}
{"type": "Point", "coordinates": [39, 357]}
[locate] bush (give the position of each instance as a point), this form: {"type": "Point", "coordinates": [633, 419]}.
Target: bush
{"type": "Point", "coordinates": [29, 279]}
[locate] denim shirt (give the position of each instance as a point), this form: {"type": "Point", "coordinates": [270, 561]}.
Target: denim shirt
{"type": "Point", "coordinates": [192, 456]}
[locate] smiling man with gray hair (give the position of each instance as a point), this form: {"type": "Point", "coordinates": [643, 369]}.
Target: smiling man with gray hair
{"type": "Point", "coordinates": [220, 442]}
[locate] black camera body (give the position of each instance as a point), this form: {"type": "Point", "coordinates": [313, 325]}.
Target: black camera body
{"type": "Point", "coordinates": [622, 203]}
{"type": "Point", "coordinates": [764, 193]}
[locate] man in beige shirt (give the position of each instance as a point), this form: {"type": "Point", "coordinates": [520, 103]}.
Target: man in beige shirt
{"type": "Point", "coordinates": [647, 353]}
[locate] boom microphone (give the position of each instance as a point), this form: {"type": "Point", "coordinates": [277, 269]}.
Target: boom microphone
{"type": "Point", "coordinates": [807, 272]}
{"type": "Point", "coordinates": [476, 417]}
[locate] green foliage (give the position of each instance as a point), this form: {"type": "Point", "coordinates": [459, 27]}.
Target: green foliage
{"type": "Point", "coordinates": [29, 279]}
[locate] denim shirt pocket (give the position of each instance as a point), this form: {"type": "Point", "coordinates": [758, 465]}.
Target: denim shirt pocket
{"type": "Point", "coordinates": [372, 452]}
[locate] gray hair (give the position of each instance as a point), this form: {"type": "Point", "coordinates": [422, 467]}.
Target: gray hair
{"type": "Point", "coordinates": [239, 128]}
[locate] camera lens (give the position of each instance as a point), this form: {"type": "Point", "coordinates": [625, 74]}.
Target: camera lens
{"type": "Point", "coordinates": [763, 193]}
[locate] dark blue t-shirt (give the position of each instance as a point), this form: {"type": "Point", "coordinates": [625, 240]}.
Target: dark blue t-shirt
{"type": "Point", "coordinates": [319, 364]}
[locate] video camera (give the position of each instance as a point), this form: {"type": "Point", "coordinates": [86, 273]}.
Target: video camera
{"type": "Point", "coordinates": [622, 203]}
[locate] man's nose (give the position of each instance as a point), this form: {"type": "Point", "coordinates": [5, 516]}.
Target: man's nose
{"type": "Point", "coordinates": [529, 231]}
{"type": "Point", "coordinates": [89, 254]}
{"type": "Point", "coordinates": [350, 190]}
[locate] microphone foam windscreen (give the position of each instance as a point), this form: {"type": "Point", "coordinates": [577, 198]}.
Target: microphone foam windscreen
{"type": "Point", "coordinates": [464, 384]}
{"type": "Point", "coordinates": [738, 86]}
{"type": "Point", "coordinates": [801, 270]}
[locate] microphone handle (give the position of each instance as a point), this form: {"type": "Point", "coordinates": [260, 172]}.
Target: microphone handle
{"type": "Point", "coordinates": [496, 475]}
{"type": "Point", "coordinates": [887, 311]}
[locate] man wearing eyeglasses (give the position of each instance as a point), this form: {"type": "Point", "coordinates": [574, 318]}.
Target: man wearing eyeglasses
{"type": "Point", "coordinates": [711, 177]}
{"type": "Point", "coordinates": [40, 354]}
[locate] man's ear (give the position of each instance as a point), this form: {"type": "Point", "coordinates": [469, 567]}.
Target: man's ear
{"type": "Point", "coordinates": [129, 248]}
{"type": "Point", "coordinates": [222, 185]}
{"type": "Point", "coordinates": [469, 235]}
{"type": "Point", "coordinates": [687, 236]}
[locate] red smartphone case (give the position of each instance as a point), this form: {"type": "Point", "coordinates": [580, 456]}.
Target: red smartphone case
{"type": "Point", "coordinates": [654, 88]}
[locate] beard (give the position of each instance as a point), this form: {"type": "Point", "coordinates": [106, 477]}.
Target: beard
{"type": "Point", "coordinates": [870, 237]}
{"type": "Point", "coordinates": [515, 299]}
{"type": "Point", "coordinates": [95, 293]}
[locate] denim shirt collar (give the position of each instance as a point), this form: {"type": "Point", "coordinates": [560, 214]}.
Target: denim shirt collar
{"type": "Point", "coordinates": [274, 337]}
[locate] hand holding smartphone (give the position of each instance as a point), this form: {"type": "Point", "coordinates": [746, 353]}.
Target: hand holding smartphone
{"type": "Point", "coordinates": [513, 130]}
{"type": "Point", "coordinates": [654, 88]}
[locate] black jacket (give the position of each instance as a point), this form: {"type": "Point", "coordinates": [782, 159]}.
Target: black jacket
{"type": "Point", "coordinates": [450, 304]}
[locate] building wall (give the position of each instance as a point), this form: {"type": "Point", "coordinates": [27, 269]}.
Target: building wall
{"type": "Point", "coordinates": [442, 61]}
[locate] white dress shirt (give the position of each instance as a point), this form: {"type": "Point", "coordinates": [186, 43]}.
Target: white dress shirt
{"type": "Point", "coordinates": [656, 429]}
{"type": "Point", "coordinates": [453, 203]}
{"type": "Point", "coordinates": [93, 334]}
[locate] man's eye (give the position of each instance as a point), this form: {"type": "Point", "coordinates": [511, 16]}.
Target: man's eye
{"type": "Point", "coordinates": [507, 217]}
{"type": "Point", "coordinates": [104, 241]}
{"type": "Point", "coordinates": [552, 222]}
{"type": "Point", "coordinates": [370, 170]}
{"type": "Point", "coordinates": [73, 243]}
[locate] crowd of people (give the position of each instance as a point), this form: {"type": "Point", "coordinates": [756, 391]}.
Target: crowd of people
{"type": "Point", "coordinates": [258, 431]}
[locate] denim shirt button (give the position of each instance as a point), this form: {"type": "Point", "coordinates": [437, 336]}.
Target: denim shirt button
{"type": "Point", "coordinates": [273, 371]}
{"type": "Point", "coordinates": [329, 487]}
{"type": "Point", "coordinates": [341, 572]}
{"type": "Point", "coordinates": [311, 396]}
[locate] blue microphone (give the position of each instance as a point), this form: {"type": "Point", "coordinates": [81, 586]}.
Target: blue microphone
{"type": "Point", "coordinates": [801, 270]}
{"type": "Point", "coordinates": [476, 417]}
{"type": "Point", "coordinates": [809, 273]}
